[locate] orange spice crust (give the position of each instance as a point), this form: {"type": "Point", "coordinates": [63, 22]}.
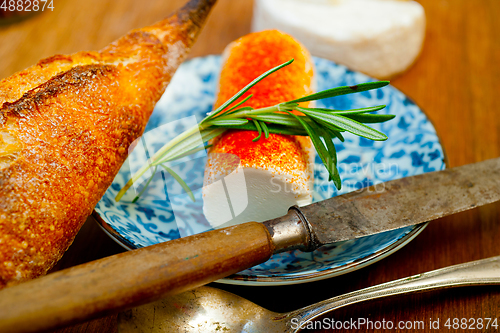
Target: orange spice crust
{"type": "Point", "coordinates": [244, 60]}
{"type": "Point", "coordinates": [74, 119]}
{"type": "Point", "coordinates": [279, 154]}
{"type": "Point", "coordinates": [248, 57]}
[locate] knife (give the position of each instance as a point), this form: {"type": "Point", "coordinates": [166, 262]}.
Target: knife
{"type": "Point", "coordinates": [140, 276]}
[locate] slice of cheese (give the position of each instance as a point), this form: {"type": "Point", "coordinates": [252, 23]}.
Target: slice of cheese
{"type": "Point", "coordinates": [272, 174]}
{"type": "Point", "coordinates": [381, 38]}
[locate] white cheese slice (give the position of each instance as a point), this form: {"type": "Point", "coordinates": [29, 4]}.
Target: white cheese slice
{"type": "Point", "coordinates": [380, 38]}
{"type": "Point", "coordinates": [257, 189]}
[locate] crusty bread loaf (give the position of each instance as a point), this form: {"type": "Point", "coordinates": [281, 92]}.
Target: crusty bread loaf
{"type": "Point", "coordinates": [66, 126]}
{"type": "Point", "coordinates": [278, 170]}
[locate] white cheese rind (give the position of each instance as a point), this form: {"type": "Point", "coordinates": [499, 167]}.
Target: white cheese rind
{"type": "Point", "coordinates": [380, 38]}
{"type": "Point", "coordinates": [259, 196]}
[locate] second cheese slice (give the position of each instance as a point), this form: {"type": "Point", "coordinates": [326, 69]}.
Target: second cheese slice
{"type": "Point", "coordinates": [381, 38]}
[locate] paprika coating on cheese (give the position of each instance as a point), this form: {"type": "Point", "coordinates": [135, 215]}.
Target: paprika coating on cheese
{"type": "Point", "coordinates": [244, 60]}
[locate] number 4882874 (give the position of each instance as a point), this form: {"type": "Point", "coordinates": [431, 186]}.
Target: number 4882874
{"type": "Point", "coordinates": [471, 323]}
{"type": "Point", "coordinates": [27, 5]}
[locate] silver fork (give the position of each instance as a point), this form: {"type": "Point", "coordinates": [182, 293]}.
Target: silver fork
{"type": "Point", "coordinates": [208, 309]}
{"type": "Point", "coordinates": [480, 272]}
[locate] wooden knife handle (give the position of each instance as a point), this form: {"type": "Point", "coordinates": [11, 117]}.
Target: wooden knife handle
{"type": "Point", "coordinates": [132, 278]}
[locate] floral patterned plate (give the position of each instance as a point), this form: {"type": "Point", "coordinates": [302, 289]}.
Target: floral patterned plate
{"type": "Point", "coordinates": [163, 212]}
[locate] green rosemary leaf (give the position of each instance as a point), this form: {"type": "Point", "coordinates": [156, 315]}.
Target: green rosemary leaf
{"type": "Point", "coordinates": [211, 133]}
{"type": "Point", "coordinates": [265, 129]}
{"type": "Point", "coordinates": [245, 108]}
{"type": "Point", "coordinates": [330, 146]}
{"type": "Point", "coordinates": [189, 143]}
{"type": "Point", "coordinates": [187, 153]}
{"type": "Point", "coordinates": [277, 118]}
{"type": "Point", "coordinates": [259, 129]}
{"type": "Point", "coordinates": [180, 181]}
{"type": "Point", "coordinates": [335, 133]}
{"type": "Point", "coordinates": [228, 122]}
{"type": "Point", "coordinates": [340, 91]}
{"type": "Point", "coordinates": [169, 152]}
{"type": "Point", "coordinates": [316, 137]}
{"type": "Point", "coordinates": [145, 186]}
{"type": "Point", "coordinates": [348, 125]}
{"type": "Point", "coordinates": [189, 147]}
{"type": "Point", "coordinates": [243, 101]}
{"type": "Point", "coordinates": [311, 129]}
{"type": "Point", "coordinates": [176, 151]}
{"type": "Point", "coordinates": [332, 152]}
{"type": "Point", "coordinates": [332, 127]}
{"type": "Point", "coordinates": [371, 118]}
{"type": "Point", "coordinates": [345, 112]}
{"type": "Point", "coordinates": [245, 89]}
{"type": "Point", "coordinates": [284, 107]}
{"type": "Point", "coordinates": [285, 120]}
{"type": "Point", "coordinates": [276, 129]}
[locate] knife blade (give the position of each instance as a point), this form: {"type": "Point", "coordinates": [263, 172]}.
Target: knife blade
{"type": "Point", "coordinates": [404, 202]}
{"type": "Point", "coordinates": [136, 277]}
{"type": "Point", "coordinates": [387, 206]}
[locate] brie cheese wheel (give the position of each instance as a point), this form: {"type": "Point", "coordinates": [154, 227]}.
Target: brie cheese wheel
{"type": "Point", "coordinates": [381, 38]}
{"type": "Point", "coordinates": [257, 181]}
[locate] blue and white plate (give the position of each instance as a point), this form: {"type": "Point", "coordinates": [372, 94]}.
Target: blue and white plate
{"type": "Point", "coordinates": [161, 215]}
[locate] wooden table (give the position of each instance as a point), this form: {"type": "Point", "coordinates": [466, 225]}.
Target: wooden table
{"type": "Point", "coordinates": [455, 80]}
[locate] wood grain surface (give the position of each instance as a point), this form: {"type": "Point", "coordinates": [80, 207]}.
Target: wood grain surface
{"type": "Point", "coordinates": [455, 80]}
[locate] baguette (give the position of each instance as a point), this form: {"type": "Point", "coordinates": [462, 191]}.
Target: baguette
{"type": "Point", "coordinates": [66, 126]}
{"type": "Point", "coordinates": [277, 171]}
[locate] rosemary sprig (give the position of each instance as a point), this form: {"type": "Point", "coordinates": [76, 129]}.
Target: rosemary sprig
{"type": "Point", "coordinates": [322, 125]}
